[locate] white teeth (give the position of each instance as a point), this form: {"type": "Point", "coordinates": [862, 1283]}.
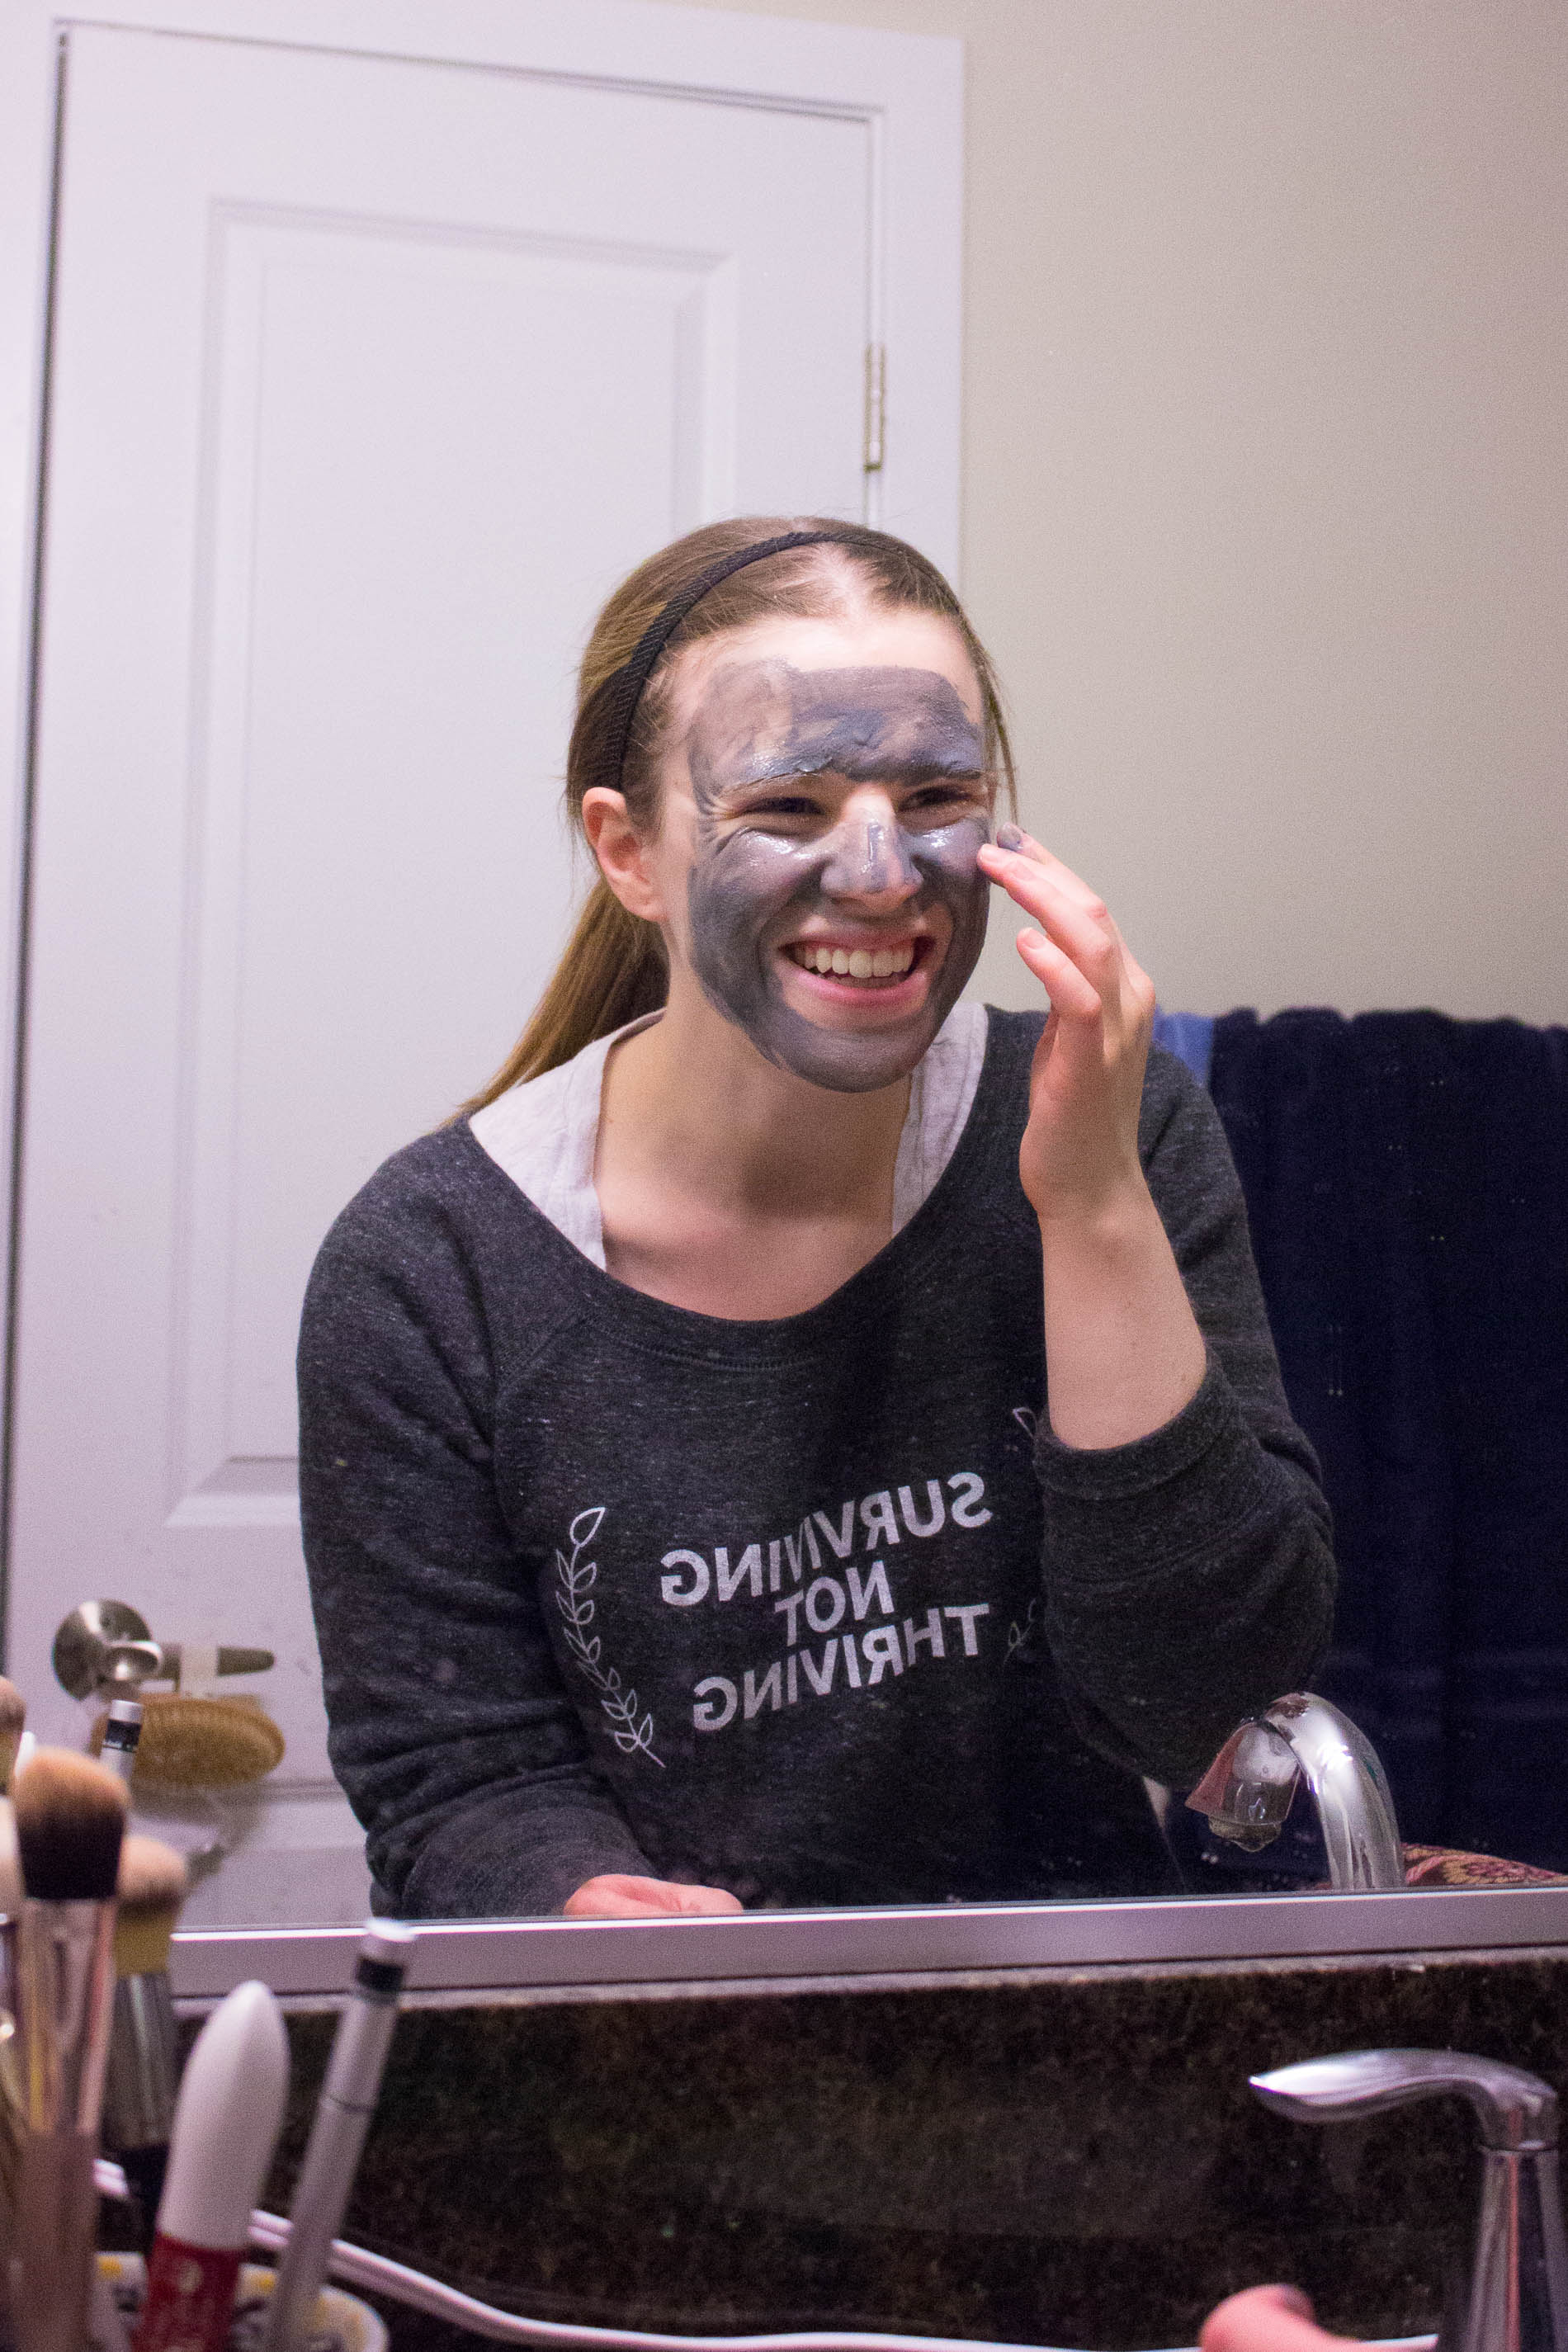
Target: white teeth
{"type": "Point", "coordinates": [856, 963]}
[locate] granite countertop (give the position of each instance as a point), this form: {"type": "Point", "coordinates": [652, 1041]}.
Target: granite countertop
{"type": "Point", "coordinates": [1065, 2160]}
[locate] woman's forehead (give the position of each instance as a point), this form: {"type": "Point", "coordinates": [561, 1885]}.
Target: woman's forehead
{"type": "Point", "coordinates": [870, 639]}
{"type": "Point", "coordinates": [766, 720]}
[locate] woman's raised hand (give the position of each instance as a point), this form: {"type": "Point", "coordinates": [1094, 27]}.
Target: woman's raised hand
{"type": "Point", "coordinates": [1080, 1152]}
{"type": "Point", "coordinates": [616, 1895]}
{"type": "Point", "coordinates": [1123, 1350]}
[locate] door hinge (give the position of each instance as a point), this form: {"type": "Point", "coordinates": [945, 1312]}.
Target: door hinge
{"type": "Point", "coordinates": [876, 407]}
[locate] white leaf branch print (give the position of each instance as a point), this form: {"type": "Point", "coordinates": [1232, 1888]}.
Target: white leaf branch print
{"type": "Point", "coordinates": [575, 1578]}
{"type": "Point", "coordinates": [1021, 1638]}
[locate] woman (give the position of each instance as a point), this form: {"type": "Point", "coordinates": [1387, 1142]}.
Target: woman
{"type": "Point", "coordinates": [800, 1438]}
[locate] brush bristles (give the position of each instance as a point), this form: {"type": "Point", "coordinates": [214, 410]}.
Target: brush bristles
{"type": "Point", "coordinates": [10, 1866]}
{"type": "Point", "coordinates": [71, 1819]}
{"type": "Point", "coordinates": [13, 1720]}
{"type": "Point", "coordinates": [152, 1887]}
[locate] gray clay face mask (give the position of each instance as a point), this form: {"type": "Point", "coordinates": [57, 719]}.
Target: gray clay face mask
{"type": "Point", "coordinates": [752, 888]}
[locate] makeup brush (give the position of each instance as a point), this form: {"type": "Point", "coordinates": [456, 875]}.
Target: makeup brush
{"type": "Point", "coordinates": [226, 2121]}
{"type": "Point", "coordinates": [11, 2128]}
{"type": "Point", "coordinates": [337, 2135]}
{"type": "Point", "coordinates": [13, 1716]}
{"type": "Point", "coordinates": [71, 1819]}
{"type": "Point", "coordinates": [10, 1874]}
{"type": "Point", "coordinates": [144, 2073]}
{"type": "Point", "coordinates": [10, 1910]}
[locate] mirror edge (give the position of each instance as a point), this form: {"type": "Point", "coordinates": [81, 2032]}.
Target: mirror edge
{"type": "Point", "coordinates": [582, 1959]}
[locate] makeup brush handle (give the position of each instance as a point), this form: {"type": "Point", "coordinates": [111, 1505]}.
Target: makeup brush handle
{"type": "Point", "coordinates": [141, 2086]}
{"type": "Point", "coordinates": [143, 2075]}
{"type": "Point", "coordinates": [57, 2225]}
{"type": "Point", "coordinates": [13, 2134]}
{"type": "Point", "coordinates": [64, 1969]}
{"type": "Point", "coordinates": [332, 2160]}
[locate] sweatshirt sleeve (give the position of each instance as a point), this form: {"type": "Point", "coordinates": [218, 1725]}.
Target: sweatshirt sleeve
{"type": "Point", "coordinates": [449, 1728]}
{"type": "Point", "coordinates": [1190, 1575]}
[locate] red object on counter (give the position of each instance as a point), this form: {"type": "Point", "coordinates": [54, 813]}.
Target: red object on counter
{"type": "Point", "coordinates": [190, 2297]}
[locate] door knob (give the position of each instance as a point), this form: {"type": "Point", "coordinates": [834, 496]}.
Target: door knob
{"type": "Point", "coordinates": [108, 1646]}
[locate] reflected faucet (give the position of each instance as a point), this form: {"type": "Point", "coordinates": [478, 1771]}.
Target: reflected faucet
{"type": "Point", "coordinates": [1247, 1788]}
{"type": "Point", "coordinates": [1516, 2297]}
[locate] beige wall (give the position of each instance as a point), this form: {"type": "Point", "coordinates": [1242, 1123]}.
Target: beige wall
{"type": "Point", "coordinates": [1266, 479]}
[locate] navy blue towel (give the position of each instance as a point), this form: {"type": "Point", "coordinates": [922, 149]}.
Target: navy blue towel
{"type": "Point", "coordinates": [1406, 1177]}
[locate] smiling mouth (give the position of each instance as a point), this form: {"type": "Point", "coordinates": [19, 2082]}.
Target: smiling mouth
{"type": "Point", "coordinates": [869, 966]}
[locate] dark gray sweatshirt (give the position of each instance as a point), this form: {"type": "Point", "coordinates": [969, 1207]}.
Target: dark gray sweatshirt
{"type": "Point", "coordinates": [816, 1609]}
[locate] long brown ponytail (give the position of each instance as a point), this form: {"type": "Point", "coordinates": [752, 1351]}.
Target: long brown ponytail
{"type": "Point", "coordinates": [613, 967]}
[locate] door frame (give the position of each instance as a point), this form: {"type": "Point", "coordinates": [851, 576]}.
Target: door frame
{"type": "Point", "coordinates": [907, 88]}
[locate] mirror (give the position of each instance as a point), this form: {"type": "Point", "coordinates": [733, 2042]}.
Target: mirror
{"type": "Point", "coordinates": [367, 380]}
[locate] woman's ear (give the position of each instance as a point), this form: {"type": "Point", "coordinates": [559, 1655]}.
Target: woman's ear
{"type": "Point", "coordinates": [621, 851]}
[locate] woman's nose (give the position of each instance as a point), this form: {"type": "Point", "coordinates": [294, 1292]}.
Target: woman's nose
{"type": "Point", "coordinates": [868, 859]}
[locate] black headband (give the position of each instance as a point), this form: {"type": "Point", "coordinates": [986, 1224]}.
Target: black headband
{"type": "Point", "coordinates": [629, 680]}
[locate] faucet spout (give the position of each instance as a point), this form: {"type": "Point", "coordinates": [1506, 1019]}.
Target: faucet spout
{"type": "Point", "coordinates": [1247, 1788]}
{"type": "Point", "coordinates": [1516, 2297]}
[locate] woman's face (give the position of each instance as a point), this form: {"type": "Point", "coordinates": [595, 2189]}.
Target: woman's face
{"type": "Point", "coordinates": [824, 797]}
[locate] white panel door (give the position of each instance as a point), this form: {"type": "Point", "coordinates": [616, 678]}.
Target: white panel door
{"type": "Point", "coordinates": [369, 378]}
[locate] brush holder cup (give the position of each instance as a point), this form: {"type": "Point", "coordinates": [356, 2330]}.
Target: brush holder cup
{"type": "Point", "coordinates": [343, 2323]}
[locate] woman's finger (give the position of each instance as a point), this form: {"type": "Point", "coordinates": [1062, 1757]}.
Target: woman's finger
{"type": "Point", "coordinates": [1005, 858]}
{"type": "Point", "coordinates": [707, 1901]}
{"type": "Point", "coordinates": [1079, 921]}
{"type": "Point", "coordinates": [1039, 879]}
{"type": "Point", "coordinates": [1072, 993]}
{"type": "Point", "coordinates": [1014, 841]}
{"type": "Point", "coordinates": [1266, 2319]}
{"type": "Point", "coordinates": [616, 1895]}
{"type": "Point", "coordinates": [1093, 944]}
{"type": "Point", "coordinates": [620, 1895]}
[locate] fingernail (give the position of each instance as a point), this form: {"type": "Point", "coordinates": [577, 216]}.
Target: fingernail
{"type": "Point", "coordinates": [1009, 837]}
{"type": "Point", "coordinates": [1290, 2298]}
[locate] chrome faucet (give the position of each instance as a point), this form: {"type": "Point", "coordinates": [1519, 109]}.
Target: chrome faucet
{"type": "Point", "coordinates": [1516, 2295]}
{"type": "Point", "coordinates": [1247, 1788]}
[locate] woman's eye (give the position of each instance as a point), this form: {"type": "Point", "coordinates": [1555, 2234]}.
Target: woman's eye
{"type": "Point", "coordinates": [785, 804]}
{"type": "Point", "coordinates": [949, 794]}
